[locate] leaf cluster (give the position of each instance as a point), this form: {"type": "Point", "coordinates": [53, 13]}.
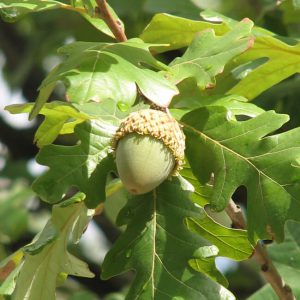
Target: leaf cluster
{"type": "Point", "coordinates": [169, 239]}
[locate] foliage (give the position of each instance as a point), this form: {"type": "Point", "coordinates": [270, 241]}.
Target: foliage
{"type": "Point", "coordinates": [166, 238]}
{"type": "Point", "coordinates": [287, 265]}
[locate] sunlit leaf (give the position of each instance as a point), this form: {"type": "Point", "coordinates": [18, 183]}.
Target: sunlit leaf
{"type": "Point", "coordinates": [47, 256]}
{"type": "Point", "coordinates": [242, 153]}
{"type": "Point", "coordinates": [9, 270]}
{"type": "Point", "coordinates": [60, 118]}
{"type": "Point", "coordinates": [101, 71]}
{"type": "Point", "coordinates": [175, 31]}
{"type": "Point", "coordinates": [11, 10]}
{"type": "Point", "coordinates": [207, 55]}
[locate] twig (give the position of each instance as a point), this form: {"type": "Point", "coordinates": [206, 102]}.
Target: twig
{"type": "Point", "coordinates": [114, 25]}
{"type": "Point", "coordinates": [268, 270]}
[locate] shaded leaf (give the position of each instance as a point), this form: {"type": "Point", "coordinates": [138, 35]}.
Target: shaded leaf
{"type": "Point", "coordinates": [286, 258]}
{"type": "Point", "coordinates": [47, 256]}
{"type": "Point", "coordinates": [155, 231]}
{"type": "Point", "coordinates": [208, 54]}
{"type": "Point", "coordinates": [84, 166]}
{"type": "Point", "coordinates": [240, 153]}
{"type": "Point", "coordinates": [13, 212]}
{"type": "Point", "coordinates": [44, 94]}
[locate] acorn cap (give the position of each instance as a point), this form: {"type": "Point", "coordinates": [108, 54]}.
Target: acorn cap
{"type": "Point", "coordinates": [159, 125]}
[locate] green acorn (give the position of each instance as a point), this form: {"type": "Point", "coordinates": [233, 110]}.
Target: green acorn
{"type": "Point", "coordinates": [149, 146]}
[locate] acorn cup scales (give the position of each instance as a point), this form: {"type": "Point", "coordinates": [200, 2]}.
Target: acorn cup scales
{"type": "Point", "coordinates": [149, 147]}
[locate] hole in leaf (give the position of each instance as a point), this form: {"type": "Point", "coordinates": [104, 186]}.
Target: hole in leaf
{"type": "Point", "coordinates": [240, 196]}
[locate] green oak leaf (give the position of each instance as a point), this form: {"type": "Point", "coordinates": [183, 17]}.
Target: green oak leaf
{"type": "Point", "coordinates": [250, 73]}
{"type": "Point", "coordinates": [231, 243]}
{"type": "Point", "coordinates": [175, 31]}
{"type": "Point", "coordinates": [102, 71]}
{"type": "Point", "coordinates": [84, 166]}
{"type": "Point", "coordinates": [243, 153]}
{"type": "Point", "coordinates": [190, 99]}
{"type": "Point", "coordinates": [207, 55]}
{"type": "Point", "coordinates": [9, 270]}
{"type": "Point", "coordinates": [12, 11]}
{"type": "Point", "coordinates": [261, 67]}
{"type": "Point", "coordinates": [288, 266]}
{"type": "Point", "coordinates": [47, 256]}
{"type": "Point", "coordinates": [158, 245]}
{"type": "Point", "coordinates": [201, 192]}
{"type": "Point", "coordinates": [88, 12]}
{"type": "Point", "coordinates": [60, 118]}
{"type": "Point", "coordinates": [89, 5]}
{"type": "Point", "coordinates": [272, 71]}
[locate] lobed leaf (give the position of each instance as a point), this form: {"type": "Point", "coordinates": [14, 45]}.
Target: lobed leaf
{"type": "Point", "coordinates": [207, 55]}
{"type": "Point", "coordinates": [102, 71]}
{"type": "Point", "coordinates": [47, 256]}
{"type": "Point", "coordinates": [175, 31]}
{"type": "Point", "coordinates": [242, 153]}
{"type": "Point", "coordinates": [190, 98]}
{"type": "Point", "coordinates": [84, 166]}
{"type": "Point", "coordinates": [272, 71]}
{"type": "Point", "coordinates": [12, 11]}
{"type": "Point", "coordinates": [60, 118]}
{"type": "Point", "coordinates": [249, 74]}
{"type": "Point", "coordinates": [157, 245]}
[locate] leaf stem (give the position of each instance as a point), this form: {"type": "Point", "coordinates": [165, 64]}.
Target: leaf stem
{"type": "Point", "coordinates": [268, 270]}
{"type": "Point", "coordinates": [72, 8]}
{"type": "Point", "coordinates": [114, 25]}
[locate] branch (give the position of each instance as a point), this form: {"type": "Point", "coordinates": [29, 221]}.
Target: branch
{"type": "Point", "coordinates": [268, 270]}
{"type": "Point", "coordinates": [114, 25]}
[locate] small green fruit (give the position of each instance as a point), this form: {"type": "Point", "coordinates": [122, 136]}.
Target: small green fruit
{"type": "Point", "coordinates": [149, 148]}
{"type": "Point", "coordinates": [143, 162]}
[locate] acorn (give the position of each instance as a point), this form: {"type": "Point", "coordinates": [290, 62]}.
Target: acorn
{"type": "Point", "coordinates": [149, 147]}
